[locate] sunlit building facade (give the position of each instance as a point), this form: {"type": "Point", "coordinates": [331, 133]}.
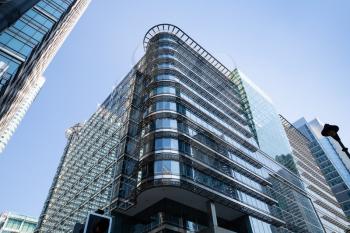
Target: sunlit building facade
{"type": "Point", "coordinates": [15, 223]}
{"type": "Point", "coordinates": [288, 147]}
{"type": "Point", "coordinates": [332, 161]}
{"type": "Point", "coordinates": [175, 148]}
{"type": "Point", "coordinates": [23, 106]}
{"type": "Point", "coordinates": [31, 32]}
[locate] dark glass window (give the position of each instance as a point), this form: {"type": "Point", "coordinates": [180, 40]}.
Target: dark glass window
{"type": "Point", "coordinates": [164, 90]}
{"type": "Point", "coordinates": [166, 144]}
{"type": "Point", "coordinates": [162, 77]}
{"type": "Point", "coordinates": [163, 105]}
{"type": "Point", "coordinates": [166, 123]}
{"type": "Point", "coordinates": [166, 167]}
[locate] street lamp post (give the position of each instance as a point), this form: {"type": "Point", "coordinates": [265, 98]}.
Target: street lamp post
{"type": "Point", "coordinates": [332, 131]}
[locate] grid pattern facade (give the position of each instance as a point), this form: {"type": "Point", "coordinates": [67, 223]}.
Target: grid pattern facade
{"type": "Point", "coordinates": [264, 121]}
{"type": "Point", "coordinates": [83, 181]}
{"type": "Point", "coordinates": [266, 125]}
{"type": "Point", "coordinates": [328, 159]}
{"type": "Point", "coordinates": [326, 205]}
{"type": "Point", "coordinates": [28, 45]}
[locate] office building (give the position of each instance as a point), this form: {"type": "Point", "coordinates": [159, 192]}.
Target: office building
{"type": "Point", "coordinates": [327, 207]}
{"type": "Point", "coordinates": [31, 33]}
{"type": "Point", "coordinates": [22, 108]}
{"type": "Point", "coordinates": [174, 148]}
{"type": "Point", "coordinates": [330, 159]}
{"type": "Point", "coordinates": [264, 121]}
{"type": "Point", "coordinates": [278, 143]}
{"type": "Point", "coordinates": [14, 223]}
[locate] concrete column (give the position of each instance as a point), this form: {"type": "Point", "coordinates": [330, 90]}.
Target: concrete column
{"type": "Point", "coordinates": [213, 222]}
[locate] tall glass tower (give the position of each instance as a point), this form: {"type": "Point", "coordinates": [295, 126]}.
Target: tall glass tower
{"type": "Point", "coordinates": [289, 147]}
{"type": "Point", "coordinates": [332, 162]}
{"type": "Point", "coordinates": [22, 108]}
{"type": "Point", "coordinates": [326, 205]}
{"type": "Point", "coordinates": [172, 149]}
{"type": "Point", "coordinates": [31, 32]}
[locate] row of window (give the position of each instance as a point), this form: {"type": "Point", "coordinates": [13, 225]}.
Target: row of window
{"type": "Point", "coordinates": [213, 97]}
{"type": "Point", "coordinates": [23, 36]}
{"type": "Point", "coordinates": [170, 167]}
{"type": "Point", "coordinates": [50, 8]}
{"type": "Point", "coordinates": [201, 69]}
{"type": "Point", "coordinates": [210, 111]}
{"type": "Point", "coordinates": [186, 148]}
{"type": "Point", "coordinates": [169, 123]}
{"type": "Point", "coordinates": [179, 108]}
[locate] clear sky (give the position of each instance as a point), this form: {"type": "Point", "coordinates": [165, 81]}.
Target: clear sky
{"type": "Point", "coordinates": [297, 51]}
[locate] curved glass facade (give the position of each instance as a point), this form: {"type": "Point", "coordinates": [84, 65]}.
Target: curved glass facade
{"type": "Point", "coordinates": [186, 153]}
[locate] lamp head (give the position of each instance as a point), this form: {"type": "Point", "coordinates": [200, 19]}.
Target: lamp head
{"type": "Point", "coordinates": [331, 131]}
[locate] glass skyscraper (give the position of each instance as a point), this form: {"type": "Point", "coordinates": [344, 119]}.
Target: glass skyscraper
{"type": "Point", "coordinates": [31, 32]}
{"type": "Point", "coordinates": [23, 107]}
{"type": "Point", "coordinates": [287, 146]}
{"type": "Point", "coordinates": [332, 162]}
{"type": "Point", "coordinates": [326, 205]}
{"type": "Point", "coordinates": [174, 148]}
{"type": "Point", "coordinates": [264, 121]}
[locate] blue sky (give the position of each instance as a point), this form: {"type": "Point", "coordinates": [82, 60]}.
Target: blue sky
{"type": "Point", "coordinates": [298, 52]}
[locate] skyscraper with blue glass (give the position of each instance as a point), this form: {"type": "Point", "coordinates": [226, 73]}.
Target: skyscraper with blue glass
{"type": "Point", "coordinates": [326, 205]}
{"type": "Point", "coordinates": [330, 159]}
{"type": "Point", "coordinates": [177, 147]}
{"type": "Point", "coordinates": [31, 32]}
{"type": "Point", "coordinates": [280, 140]}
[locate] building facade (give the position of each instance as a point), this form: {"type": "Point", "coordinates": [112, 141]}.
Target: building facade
{"type": "Point", "coordinates": [23, 107]}
{"type": "Point", "coordinates": [330, 159]}
{"type": "Point", "coordinates": [173, 149]}
{"type": "Point", "coordinates": [14, 223]}
{"type": "Point", "coordinates": [287, 146]}
{"type": "Point", "coordinates": [326, 205]}
{"type": "Point", "coordinates": [31, 33]}
{"type": "Point", "coordinates": [264, 121]}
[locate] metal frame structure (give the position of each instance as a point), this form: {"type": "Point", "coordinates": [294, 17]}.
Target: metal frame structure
{"type": "Point", "coordinates": [174, 30]}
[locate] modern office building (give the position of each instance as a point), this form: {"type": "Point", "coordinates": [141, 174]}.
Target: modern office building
{"type": "Point", "coordinates": [31, 33]}
{"type": "Point", "coordinates": [264, 121]}
{"type": "Point", "coordinates": [174, 148]}
{"type": "Point", "coordinates": [283, 143]}
{"type": "Point", "coordinates": [14, 223]}
{"type": "Point", "coordinates": [22, 108]}
{"type": "Point", "coordinates": [326, 205]}
{"type": "Point", "coordinates": [330, 159]}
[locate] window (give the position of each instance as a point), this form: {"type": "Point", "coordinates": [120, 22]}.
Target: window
{"type": "Point", "coordinates": [13, 224]}
{"type": "Point", "coordinates": [165, 123]}
{"type": "Point", "coordinates": [162, 77]}
{"type": "Point", "coordinates": [164, 90]}
{"type": "Point", "coordinates": [166, 144]}
{"type": "Point", "coordinates": [163, 105]}
{"type": "Point", "coordinates": [165, 65]}
{"type": "Point", "coordinates": [166, 56]}
{"type": "Point", "coordinates": [166, 167]}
